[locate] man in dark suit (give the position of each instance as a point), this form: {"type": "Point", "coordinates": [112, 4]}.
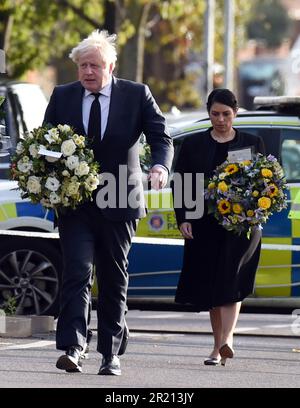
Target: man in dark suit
{"type": "Point", "coordinates": [112, 113]}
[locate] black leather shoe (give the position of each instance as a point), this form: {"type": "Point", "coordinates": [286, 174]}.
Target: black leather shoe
{"type": "Point", "coordinates": [110, 366]}
{"type": "Point", "coordinates": [71, 361]}
{"type": "Point", "coordinates": [125, 339]}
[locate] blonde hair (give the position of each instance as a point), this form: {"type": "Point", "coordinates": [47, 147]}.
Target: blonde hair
{"type": "Point", "coordinates": [97, 40]}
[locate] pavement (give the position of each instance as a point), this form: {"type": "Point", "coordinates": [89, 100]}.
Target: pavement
{"type": "Point", "coordinates": [279, 325]}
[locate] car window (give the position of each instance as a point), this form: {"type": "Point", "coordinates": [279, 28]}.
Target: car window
{"type": "Point", "coordinates": [290, 154]}
{"type": "Point", "coordinates": [32, 103]}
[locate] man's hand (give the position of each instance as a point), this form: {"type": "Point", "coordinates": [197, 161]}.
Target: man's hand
{"type": "Point", "coordinates": [186, 230]}
{"type": "Point", "coordinates": [158, 175]}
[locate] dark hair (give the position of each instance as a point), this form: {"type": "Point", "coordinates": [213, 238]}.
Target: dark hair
{"type": "Point", "coordinates": [222, 95]}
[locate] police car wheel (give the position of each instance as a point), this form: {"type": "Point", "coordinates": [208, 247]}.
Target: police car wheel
{"type": "Point", "coordinates": [30, 277]}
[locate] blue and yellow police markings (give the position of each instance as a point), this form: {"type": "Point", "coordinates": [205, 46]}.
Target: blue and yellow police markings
{"type": "Point", "coordinates": [160, 221]}
{"type": "Point", "coordinates": [274, 274]}
{"type": "Point", "coordinates": [24, 209]}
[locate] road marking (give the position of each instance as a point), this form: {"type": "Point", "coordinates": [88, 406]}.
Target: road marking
{"type": "Point", "coordinates": [245, 329]}
{"type": "Point", "coordinates": [36, 344]}
{"type": "Point", "coordinates": [155, 334]}
{"type": "Point", "coordinates": [161, 316]}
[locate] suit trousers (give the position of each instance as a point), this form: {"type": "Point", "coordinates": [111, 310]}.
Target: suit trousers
{"type": "Point", "coordinates": [88, 238]}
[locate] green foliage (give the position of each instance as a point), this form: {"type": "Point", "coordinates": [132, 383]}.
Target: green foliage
{"type": "Point", "coordinates": [269, 22]}
{"type": "Point", "coordinates": [38, 30]}
{"type": "Point", "coordinates": [10, 306]}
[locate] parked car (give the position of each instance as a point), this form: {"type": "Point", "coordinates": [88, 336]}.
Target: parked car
{"type": "Point", "coordinates": [30, 263]}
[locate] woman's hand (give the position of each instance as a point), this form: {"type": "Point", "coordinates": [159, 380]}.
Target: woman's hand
{"type": "Point", "coordinates": [186, 230]}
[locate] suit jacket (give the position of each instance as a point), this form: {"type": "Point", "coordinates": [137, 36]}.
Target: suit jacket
{"type": "Point", "coordinates": [197, 153]}
{"type": "Point", "coordinates": [132, 111]}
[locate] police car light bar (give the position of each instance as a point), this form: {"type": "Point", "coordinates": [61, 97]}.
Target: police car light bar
{"type": "Point", "coordinates": [277, 100]}
{"type": "Point", "coordinates": [283, 104]}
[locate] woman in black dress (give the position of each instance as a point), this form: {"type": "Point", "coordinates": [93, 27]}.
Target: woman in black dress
{"type": "Point", "coordinates": [219, 266]}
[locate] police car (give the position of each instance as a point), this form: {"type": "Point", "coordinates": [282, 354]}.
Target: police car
{"type": "Point", "coordinates": [30, 259]}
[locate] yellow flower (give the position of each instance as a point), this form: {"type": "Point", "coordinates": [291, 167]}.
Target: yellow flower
{"type": "Point", "coordinates": [222, 186]}
{"type": "Point", "coordinates": [211, 186]}
{"type": "Point", "coordinates": [255, 193]}
{"type": "Point", "coordinates": [272, 190]}
{"type": "Point", "coordinates": [237, 208]}
{"type": "Point", "coordinates": [224, 206]}
{"type": "Point", "coordinates": [264, 203]}
{"type": "Point", "coordinates": [250, 213]}
{"type": "Point", "coordinates": [231, 169]}
{"type": "Point", "coordinates": [266, 172]}
{"type": "Point", "coordinates": [246, 162]}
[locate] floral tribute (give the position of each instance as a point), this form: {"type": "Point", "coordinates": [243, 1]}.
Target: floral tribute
{"type": "Point", "coordinates": [54, 167]}
{"type": "Point", "coordinates": [243, 195]}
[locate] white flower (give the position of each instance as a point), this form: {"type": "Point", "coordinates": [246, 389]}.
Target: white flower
{"type": "Point", "coordinates": [29, 135]}
{"type": "Point", "coordinates": [72, 188]}
{"type": "Point", "coordinates": [20, 148]}
{"type": "Point", "coordinates": [65, 173]}
{"type": "Point", "coordinates": [24, 165]}
{"type": "Point", "coordinates": [82, 169]}
{"type": "Point", "coordinates": [79, 140]}
{"type": "Point", "coordinates": [72, 162]}
{"type": "Point", "coordinates": [64, 128]}
{"type": "Point", "coordinates": [34, 185]}
{"type": "Point", "coordinates": [33, 150]}
{"type": "Point", "coordinates": [52, 184]}
{"type": "Point", "coordinates": [68, 147]}
{"type": "Point", "coordinates": [52, 135]}
{"type": "Point", "coordinates": [54, 198]}
{"type": "Point", "coordinates": [91, 183]}
{"type": "Point", "coordinates": [222, 176]}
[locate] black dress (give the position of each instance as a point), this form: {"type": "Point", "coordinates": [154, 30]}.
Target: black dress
{"type": "Point", "coordinates": [219, 266]}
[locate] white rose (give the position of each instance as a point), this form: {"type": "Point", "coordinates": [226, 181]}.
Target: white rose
{"type": "Point", "coordinates": [68, 147]}
{"type": "Point", "coordinates": [33, 150]}
{"type": "Point", "coordinates": [24, 165]}
{"type": "Point", "coordinates": [72, 162]}
{"type": "Point", "coordinates": [82, 169]}
{"type": "Point", "coordinates": [54, 198]}
{"type": "Point", "coordinates": [20, 148]}
{"type": "Point", "coordinates": [34, 185]}
{"type": "Point", "coordinates": [91, 183]}
{"type": "Point", "coordinates": [52, 184]}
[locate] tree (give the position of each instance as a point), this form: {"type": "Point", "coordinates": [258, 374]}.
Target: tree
{"type": "Point", "coordinates": [33, 31]}
{"type": "Point", "coordinates": [269, 22]}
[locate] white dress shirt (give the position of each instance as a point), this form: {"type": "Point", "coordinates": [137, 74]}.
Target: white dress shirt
{"type": "Point", "coordinates": [104, 100]}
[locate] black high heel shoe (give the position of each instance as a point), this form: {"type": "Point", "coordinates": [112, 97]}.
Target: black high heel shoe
{"type": "Point", "coordinates": [225, 352]}
{"type": "Point", "coordinates": [212, 361]}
